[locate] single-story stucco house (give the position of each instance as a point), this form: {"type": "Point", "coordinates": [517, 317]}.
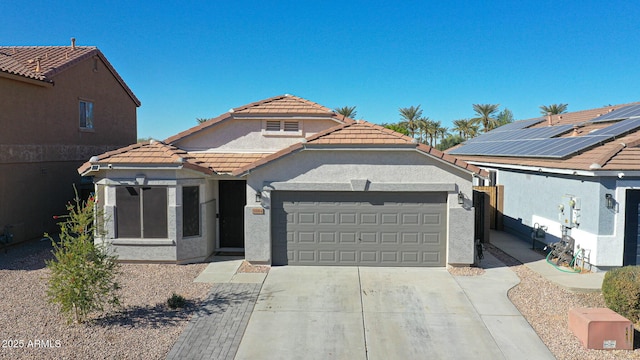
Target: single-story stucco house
{"type": "Point", "coordinates": [287, 181]}
{"type": "Point", "coordinates": [576, 173]}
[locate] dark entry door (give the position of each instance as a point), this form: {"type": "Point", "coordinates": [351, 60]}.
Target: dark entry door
{"type": "Point", "coordinates": [233, 198]}
{"type": "Point", "coordinates": [631, 224]}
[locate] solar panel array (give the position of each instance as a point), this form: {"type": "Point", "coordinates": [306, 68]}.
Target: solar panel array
{"type": "Point", "coordinates": [625, 112]}
{"type": "Point", "coordinates": [541, 143]}
{"type": "Point", "coordinates": [520, 124]}
{"type": "Point", "coordinates": [528, 134]}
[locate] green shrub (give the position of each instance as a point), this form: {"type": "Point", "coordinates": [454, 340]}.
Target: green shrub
{"type": "Point", "coordinates": [83, 274]}
{"type": "Point", "coordinates": [176, 301]}
{"type": "Point", "coordinates": [621, 291]}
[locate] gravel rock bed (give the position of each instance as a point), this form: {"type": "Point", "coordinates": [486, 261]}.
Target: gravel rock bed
{"type": "Point", "coordinates": [546, 307]}
{"type": "Point", "coordinates": [144, 328]}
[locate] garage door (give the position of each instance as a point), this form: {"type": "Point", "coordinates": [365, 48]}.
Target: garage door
{"type": "Point", "coordinates": [358, 228]}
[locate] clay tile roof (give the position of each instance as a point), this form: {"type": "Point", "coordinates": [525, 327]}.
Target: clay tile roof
{"type": "Point", "coordinates": [361, 133]}
{"type": "Point", "coordinates": [577, 117]}
{"type": "Point", "coordinates": [52, 60]}
{"type": "Point", "coordinates": [149, 153]}
{"type": "Point", "coordinates": [225, 163]}
{"type": "Point", "coordinates": [284, 104]}
{"type": "Point", "coordinates": [158, 153]}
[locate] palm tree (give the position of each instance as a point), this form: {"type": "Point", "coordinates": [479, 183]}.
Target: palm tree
{"type": "Point", "coordinates": [553, 109]}
{"type": "Point", "coordinates": [466, 128]}
{"type": "Point", "coordinates": [432, 131]}
{"type": "Point", "coordinates": [410, 116]}
{"type": "Point", "coordinates": [443, 131]}
{"type": "Point", "coordinates": [347, 111]}
{"type": "Point", "coordinates": [423, 129]}
{"type": "Point", "coordinates": [484, 114]}
{"type": "Point", "coordinates": [459, 126]}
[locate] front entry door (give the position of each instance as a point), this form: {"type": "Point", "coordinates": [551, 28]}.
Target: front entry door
{"type": "Point", "coordinates": [233, 198]}
{"type": "Point", "coordinates": [631, 225]}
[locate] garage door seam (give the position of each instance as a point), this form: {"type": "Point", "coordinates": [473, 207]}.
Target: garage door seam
{"type": "Point", "coordinates": [364, 329]}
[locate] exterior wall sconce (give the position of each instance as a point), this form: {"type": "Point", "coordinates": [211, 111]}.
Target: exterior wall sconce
{"type": "Point", "coordinates": [610, 202]}
{"type": "Point", "coordinates": [258, 197]}
{"type": "Point", "coordinates": [460, 198]}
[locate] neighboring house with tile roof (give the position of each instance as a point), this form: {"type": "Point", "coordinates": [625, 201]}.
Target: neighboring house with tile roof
{"type": "Point", "coordinates": [60, 105]}
{"type": "Point", "coordinates": [287, 181]}
{"type": "Point", "coordinates": [591, 157]}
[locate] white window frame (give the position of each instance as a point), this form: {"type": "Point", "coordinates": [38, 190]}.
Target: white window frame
{"type": "Point", "coordinates": [86, 117]}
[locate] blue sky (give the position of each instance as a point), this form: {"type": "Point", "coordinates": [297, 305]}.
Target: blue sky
{"type": "Point", "coordinates": [188, 60]}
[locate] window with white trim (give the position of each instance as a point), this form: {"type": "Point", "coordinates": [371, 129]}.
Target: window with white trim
{"type": "Point", "coordinates": [86, 114]}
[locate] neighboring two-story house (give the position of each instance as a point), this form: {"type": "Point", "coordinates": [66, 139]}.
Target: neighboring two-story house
{"type": "Point", "coordinates": [287, 181]}
{"type": "Point", "coordinates": [59, 106]}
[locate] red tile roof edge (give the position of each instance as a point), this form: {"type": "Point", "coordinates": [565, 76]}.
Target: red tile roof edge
{"type": "Point", "coordinates": [169, 150]}
{"type": "Point", "coordinates": [284, 152]}
{"type": "Point", "coordinates": [452, 160]}
{"type": "Point", "coordinates": [94, 52]}
{"type": "Point", "coordinates": [605, 158]}
{"type": "Point", "coordinates": [211, 122]}
{"type": "Point", "coordinates": [283, 96]}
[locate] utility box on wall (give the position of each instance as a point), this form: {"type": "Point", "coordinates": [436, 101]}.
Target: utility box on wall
{"type": "Point", "coordinates": [569, 211]}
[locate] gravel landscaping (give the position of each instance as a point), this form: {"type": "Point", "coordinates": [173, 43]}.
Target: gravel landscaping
{"type": "Point", "coordinates": [145, 327]}
{"type": "Point", "coordinates": [546, 307]}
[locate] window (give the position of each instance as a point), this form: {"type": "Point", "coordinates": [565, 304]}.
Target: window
{"type": "Point", "coordinates": [190, 211]}
{"type": "Point", "coordinates": [86, 114]}
{"type": "Point", "coordinates": [141, 212]}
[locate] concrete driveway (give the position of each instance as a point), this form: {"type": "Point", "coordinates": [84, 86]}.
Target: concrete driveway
{"type": "Point", "coordinates": [387, 313]}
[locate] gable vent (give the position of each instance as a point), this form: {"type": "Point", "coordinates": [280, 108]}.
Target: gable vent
{"type": "Point", "coordinates": [291, 126]}
{"type": "Point", "coordinates": [273, 125]}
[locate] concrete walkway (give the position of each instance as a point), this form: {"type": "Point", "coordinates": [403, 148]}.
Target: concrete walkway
{"type": "Point", "coordinates": [388, 313]}
{"type": "Point", "coordinates": [521, 250]}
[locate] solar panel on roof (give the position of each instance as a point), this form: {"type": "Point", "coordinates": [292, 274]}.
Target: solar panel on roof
{"type": "Point", "coordinates": [619, 128]}
{"type": "Point", "coordinates": [520, 124]}
{"type": "Point", "coordinates": [620, 114]}
{"type": "Point", "coordinates": [534, 133]}
{"type": "Point", "coordinates": [520, 141]}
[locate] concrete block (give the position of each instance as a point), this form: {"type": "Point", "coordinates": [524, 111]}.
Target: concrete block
{"type": "Point", "coordinates": [601, 329]}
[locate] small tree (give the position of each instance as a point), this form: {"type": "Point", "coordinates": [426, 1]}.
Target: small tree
{"type": "Point", "coordinates": [82, 273]}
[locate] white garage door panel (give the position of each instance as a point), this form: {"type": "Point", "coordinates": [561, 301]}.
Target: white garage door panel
{"type": "Point", "coordinates": [359, 228]}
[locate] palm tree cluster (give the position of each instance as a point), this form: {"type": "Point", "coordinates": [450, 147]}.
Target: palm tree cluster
{"type": "Point", "coordinates": [431, 132]}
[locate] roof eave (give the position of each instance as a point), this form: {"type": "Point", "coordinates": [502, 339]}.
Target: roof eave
{"type": "Point", "coordinates": [26, 79]}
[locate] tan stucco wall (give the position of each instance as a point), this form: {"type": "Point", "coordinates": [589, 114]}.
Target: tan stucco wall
{"type": "Point", "coordinates": [247, 135]}
{"type": "Point", "coordinates": [41, 144]}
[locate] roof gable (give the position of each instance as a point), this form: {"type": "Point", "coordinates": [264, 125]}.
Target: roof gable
{"type": "Point", "coordinates": [43, 63]}
{"type": "Point", "coordinates": [282, 105]}
{"type": "Point", "coordinates": [362, 133]}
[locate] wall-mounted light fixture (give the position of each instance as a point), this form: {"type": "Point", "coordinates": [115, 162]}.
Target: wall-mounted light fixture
{"type": "Point", "coordinates": [258, 197]}
{"type": "Point", "coordinates": [610, 202]}
{"type": "Point", "coordinates": [460, 198]}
